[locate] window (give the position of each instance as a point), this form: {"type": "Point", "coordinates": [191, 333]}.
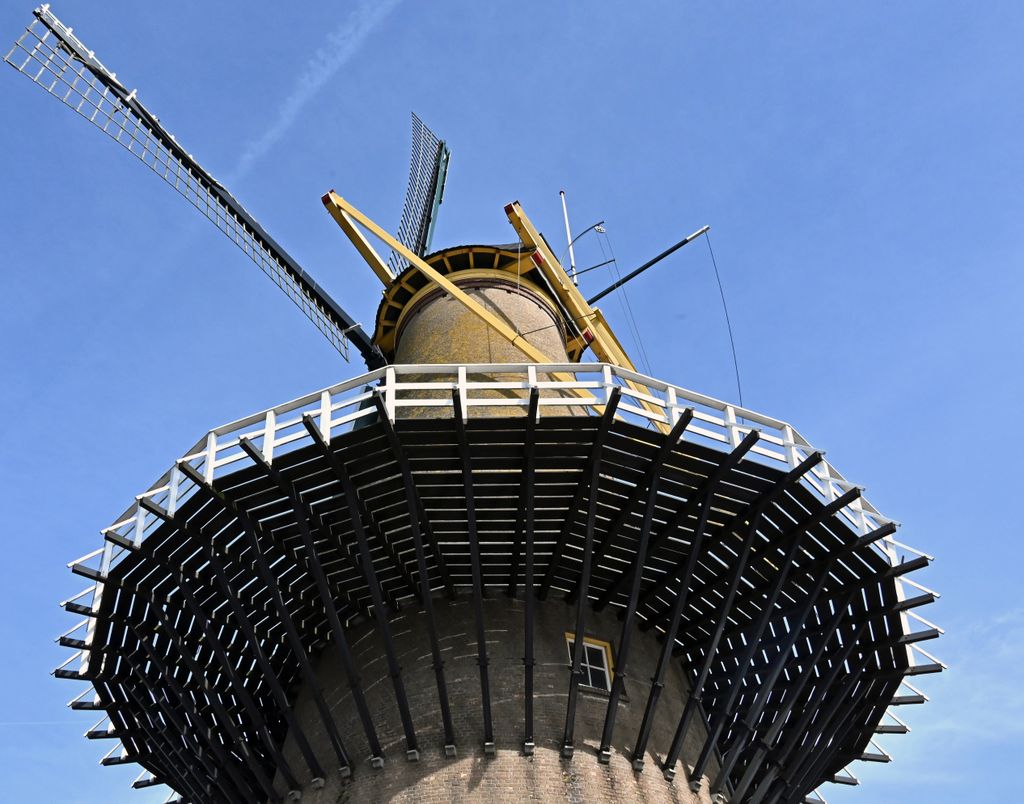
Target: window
{"type": "Point", "coordinates": [596, 665]}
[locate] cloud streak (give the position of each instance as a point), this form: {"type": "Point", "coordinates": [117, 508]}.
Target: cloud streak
{"type": "Point", "coordinates": [341, 45]}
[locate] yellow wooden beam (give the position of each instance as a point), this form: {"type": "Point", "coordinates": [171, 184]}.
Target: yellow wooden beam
{"type": "Point", "coordinates": [342, 210]}
{"type": "Point", "coordinates": [373, 259]}
{"type": "Point", "coordinates": [590, 320]}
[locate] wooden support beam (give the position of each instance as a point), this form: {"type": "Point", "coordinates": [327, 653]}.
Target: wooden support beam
{"type": "Point", "coordinates": [372, 584]}
{"type": "Point", "coordinates": [415, 509]}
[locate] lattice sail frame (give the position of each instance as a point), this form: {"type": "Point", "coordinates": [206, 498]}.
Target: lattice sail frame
{"type": "Point", "coordinates": [52, 57]}
{"type": "Point", "coordinates": [343, 407]}
{"type": "Point", "coordinates": [428, 168]}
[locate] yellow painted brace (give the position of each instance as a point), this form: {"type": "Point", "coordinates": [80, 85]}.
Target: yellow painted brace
{"type": "Point", "coordinates": [342, 210]}
{"type": "Point", "coordinates": [605, 345]}
{"type": "Point", "coordinates": [590, 320]}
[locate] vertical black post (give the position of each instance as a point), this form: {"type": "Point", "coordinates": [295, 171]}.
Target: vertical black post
{"type": "Point", "coordinates": [529, 600]}
{"type": "Point", "coordinates": [303, 515]}
{"type": "Point", "coordinates": [474, 560]}
{"type": "Point", "coordinates": [415, 512]}
{"type": "Point", "coordinates": [628, 622]}
{"type": "Point", "coordinates": [576, 669]}
{"type": "Point", "coordinates": [372, 584]}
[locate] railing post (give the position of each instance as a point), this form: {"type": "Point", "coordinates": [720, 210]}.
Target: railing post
{"type": "Point", "coordinates": [609, 382]}
{"type": "Point", "coordinates": [731, 427]}
{"type": "Point", "coordinates": [172, 491]}
{"type": "Point", "coordinates": [463, 396]}
{"type": "Point", "coordinates": [389, 392]}
{"type": "Point", "coordinates": [672, 406]}
{"type": "Point", "coordinates": [325, 415]}
{"type": "Point", "coordinates": [269, 428]}
{"type": "Point", "coordinates": [531, 379]}
{"type": "Point", "coordinates": [211, 456]}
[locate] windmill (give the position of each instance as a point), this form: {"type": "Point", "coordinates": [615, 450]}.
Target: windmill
{"type": "Point", "coordinates": [292, 593]}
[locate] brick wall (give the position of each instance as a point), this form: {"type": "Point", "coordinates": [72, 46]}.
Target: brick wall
{"type": "Point", "coordinates": [508, 774]}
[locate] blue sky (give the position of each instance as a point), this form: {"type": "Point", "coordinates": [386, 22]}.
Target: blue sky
{"type": "Point", "coordinates": [860, 166]}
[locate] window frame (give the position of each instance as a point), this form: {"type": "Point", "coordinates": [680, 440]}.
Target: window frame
{"type": "Point", "coordinates": [606, 652]}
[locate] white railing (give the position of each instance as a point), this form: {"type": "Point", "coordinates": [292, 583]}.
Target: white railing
{"type": "Point", "coordinates": [583, 388]}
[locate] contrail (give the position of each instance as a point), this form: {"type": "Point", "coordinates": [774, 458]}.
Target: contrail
{"type": "Point", "coordinates": [341, 45]}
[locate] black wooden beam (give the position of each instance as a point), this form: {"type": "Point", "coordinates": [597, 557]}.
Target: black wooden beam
{"type": "Point", "coordinates": [752, 513]}
{"type": "Point", "coordinates": [529, 590]}
{"type": "Point", "coordinates": [303, 515]}
{"type": "Point", "coordinates": [735, 683]}
{"type": "Point", "coordinates": [576, 670]}
{"type": "Point", "coordinates": [739, 566]}
{"type": "Point", "coordinates": [641, 492]}
{"type": "Point", "coordinates": [372, 584]}
{"type": "Point", "coordinates": [474, 558]}
{"type": "Point", "coordinates": [665, 657]}
{"type": "Point", "coordinates": [650, 484]}
{"type": "Point", "coordinates": [252, 532]}
{"type": "Point", "coordinates": [224, 718]}
{"type": "Point", "coordinates": [228, 592]}
{"type": "Point", "coordinates": [415, 514]}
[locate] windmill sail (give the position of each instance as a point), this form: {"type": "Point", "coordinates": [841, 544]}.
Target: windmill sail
{"type": "Point", "coordinates": [428, 169]}
{"type": "Point", "coordinates": [55, 59]}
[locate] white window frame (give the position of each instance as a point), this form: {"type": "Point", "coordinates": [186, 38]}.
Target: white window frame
{"type": "Point", "coordinates": [607, 666]}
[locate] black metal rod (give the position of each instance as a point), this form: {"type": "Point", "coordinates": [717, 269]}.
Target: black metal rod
{"type": "Point", "coordinates": [688, 509]}
{"type": "Point", "coordinates": [529, 592]}
{"type": "Point", "coordinates": [648, 264]}
{"type": "Point", "coordinates": [474, 559]}
{"type": "Point", "coordinates": [651, 483]}
{"type": "Point", "coordinates": [221, 576]}
{"type": "Point", "coordinates": [665, 657]}
{"type": "Point", "coordinates": [251, 531]}
{"type": "Point", "coordinates": [576, 669]}
{"type": "Point", "coordinates": [372, 584]}
{"type": "Point", "coordinates": [639, 494]}
{"type": "Point", "coordinates": [303, 515]}
{"type": "Point", "coordinates": [415, 512]}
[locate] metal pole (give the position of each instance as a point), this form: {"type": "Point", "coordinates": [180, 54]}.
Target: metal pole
{"type": "Point", "coordinates": [648, 264]}
{"type": "Point", "coordinates": [568, 237]}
